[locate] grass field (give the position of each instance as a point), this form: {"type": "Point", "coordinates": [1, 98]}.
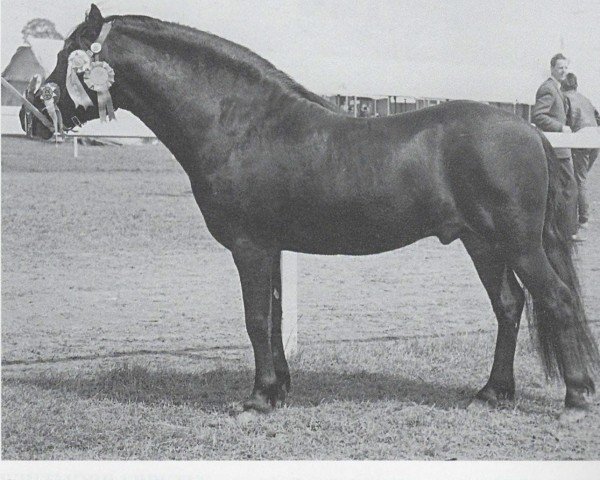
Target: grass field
{"type": "Point", "coordinates": [123, 335]}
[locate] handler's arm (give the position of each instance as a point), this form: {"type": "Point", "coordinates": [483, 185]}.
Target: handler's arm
{"type": "Point", "coordinates": [540, 114]}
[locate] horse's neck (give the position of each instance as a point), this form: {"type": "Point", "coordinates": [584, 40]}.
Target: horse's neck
{"type": "Point", "coordinates": [166, 97]}
{"type": "Point", "coordinates": [196, 110]}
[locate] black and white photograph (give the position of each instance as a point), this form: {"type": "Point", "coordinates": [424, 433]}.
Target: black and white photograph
{"type": "Point", "coordinates": [324, 233]}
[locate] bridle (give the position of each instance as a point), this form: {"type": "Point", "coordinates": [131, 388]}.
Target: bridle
{"type": "Point", "coordinates": [97, 75]}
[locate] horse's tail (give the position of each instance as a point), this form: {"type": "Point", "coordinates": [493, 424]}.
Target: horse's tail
{"type": "Point", "coordinates": [558, 246]}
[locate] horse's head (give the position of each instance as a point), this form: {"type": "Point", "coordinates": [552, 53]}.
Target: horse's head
{"type": "Point", "coordinates": [67, 81]}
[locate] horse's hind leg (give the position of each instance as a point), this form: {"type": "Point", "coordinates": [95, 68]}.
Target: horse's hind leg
{"type": "Point", "coordinates": [507, 298]}
{"type": "Point", "coordinates": [566, 343]}
{"type": "Point", "coordinates": [280, 363]}
{"type": "Point", "coordinates": [255, 265]}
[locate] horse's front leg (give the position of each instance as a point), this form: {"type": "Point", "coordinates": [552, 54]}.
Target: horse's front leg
{"type": "Point", "coordinates": [255, 267]}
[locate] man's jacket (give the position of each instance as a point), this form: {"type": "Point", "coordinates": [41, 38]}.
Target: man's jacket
{"type": "Point", "coordinates": [581, 111]}
{"type": "Point", "coordinates": [549, 113]}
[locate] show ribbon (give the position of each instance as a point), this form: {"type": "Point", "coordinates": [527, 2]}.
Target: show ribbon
{"type": "Point", "coordinates": [99, 77]}
{"type": "Point", "coordinates": [79, 62]}
{"type": "Point", "coordinates": [50, 94]}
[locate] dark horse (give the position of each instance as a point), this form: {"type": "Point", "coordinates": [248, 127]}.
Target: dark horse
{"type": "Point", "coordinates": [274, 167]}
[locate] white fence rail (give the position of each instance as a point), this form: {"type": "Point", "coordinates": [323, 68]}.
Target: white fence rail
{"type": "Point", "coordinates": [588, 137]}
{"type": "Point", "coordinates": [127, 126]}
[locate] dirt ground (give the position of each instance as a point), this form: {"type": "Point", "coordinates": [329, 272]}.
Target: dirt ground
{"type": "Point", "coordinates": [107, 256]}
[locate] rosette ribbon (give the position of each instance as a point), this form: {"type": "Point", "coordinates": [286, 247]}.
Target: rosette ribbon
{"type": "Point", "coordinates": [99, 77]}
{"type": "Point", "coordinates": [50, 94]}
{"type": "Point", "coordinates": [79, 62]}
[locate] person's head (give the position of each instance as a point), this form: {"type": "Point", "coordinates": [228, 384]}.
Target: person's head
{"type": "Point", "coordinates": [558, 66]}
{"type": "Point", "coordinates": [570, 82]}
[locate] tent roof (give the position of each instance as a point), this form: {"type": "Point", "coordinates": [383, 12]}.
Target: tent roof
{"type": "Point", "coordinates": [38, 57]}
{"type": "Point", "coordinates": [22, 66]}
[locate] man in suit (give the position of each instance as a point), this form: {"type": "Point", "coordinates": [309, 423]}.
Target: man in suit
{"type": "Point", "coordinates": [549, 114]}
{"type": "Point", "coordinates": [582, 114]}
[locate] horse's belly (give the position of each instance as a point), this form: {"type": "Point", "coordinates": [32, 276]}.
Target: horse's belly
{"type": "Point", "coordinates": [343, 235]}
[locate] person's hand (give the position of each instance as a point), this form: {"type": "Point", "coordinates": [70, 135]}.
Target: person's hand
{"type": "Point", "coordinates": [566, 129]}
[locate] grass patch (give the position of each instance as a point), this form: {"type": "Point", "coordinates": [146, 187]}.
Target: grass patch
{"type": "Point", "coordinates": [395, 400]}
{"type": "Point", "coordinates": [123, 334]}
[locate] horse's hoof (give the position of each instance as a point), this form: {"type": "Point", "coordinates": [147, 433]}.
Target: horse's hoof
{"type": "Point", "coordinates": [479, 405]}
{"type": "Point", "coordinates": [281, 396]}
{"type": "Point", "coordinates": [258, 404]}
{"type": "Point", "coordinates": [248, 417]}
{"type": "Point", "coordinates": [571, 415]}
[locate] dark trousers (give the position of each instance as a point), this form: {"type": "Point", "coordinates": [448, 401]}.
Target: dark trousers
{"type": "Point", "coordinates": [583, 159]}
{"type": "Point", "coordinates": [569, 189]}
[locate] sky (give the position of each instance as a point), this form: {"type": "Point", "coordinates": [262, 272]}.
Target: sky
{"type": "Point", "coordinates": [473, 49]}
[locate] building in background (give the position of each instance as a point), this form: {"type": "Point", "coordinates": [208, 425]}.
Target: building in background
{"type": "Point", "coordinates": [381, 106]}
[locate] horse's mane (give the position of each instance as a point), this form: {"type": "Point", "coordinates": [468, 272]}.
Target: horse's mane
{"type": "Point", "coordinates": [188, 39]}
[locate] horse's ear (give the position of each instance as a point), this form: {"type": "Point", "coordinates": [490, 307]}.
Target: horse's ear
{"type": "Point", "coordinates": [94, 18]}
{"type": "Point", "coordinates": [91, 28]}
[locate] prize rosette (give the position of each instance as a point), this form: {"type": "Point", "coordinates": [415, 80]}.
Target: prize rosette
{"type": "Point", "coordinates": [79, 61]}
{"type": "Point", "coordinates": [99, 78]}
{"type": "Point", "coordinates": [50, 94]}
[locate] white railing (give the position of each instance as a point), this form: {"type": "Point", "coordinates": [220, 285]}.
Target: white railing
{"type": "Point", "coordinates": [127, 126]}
{"type": "Point", "coordinates": [588, 137]}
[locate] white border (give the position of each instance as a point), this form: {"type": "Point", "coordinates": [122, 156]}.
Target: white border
{"type": "Point", "coordinates": [329, 470]}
